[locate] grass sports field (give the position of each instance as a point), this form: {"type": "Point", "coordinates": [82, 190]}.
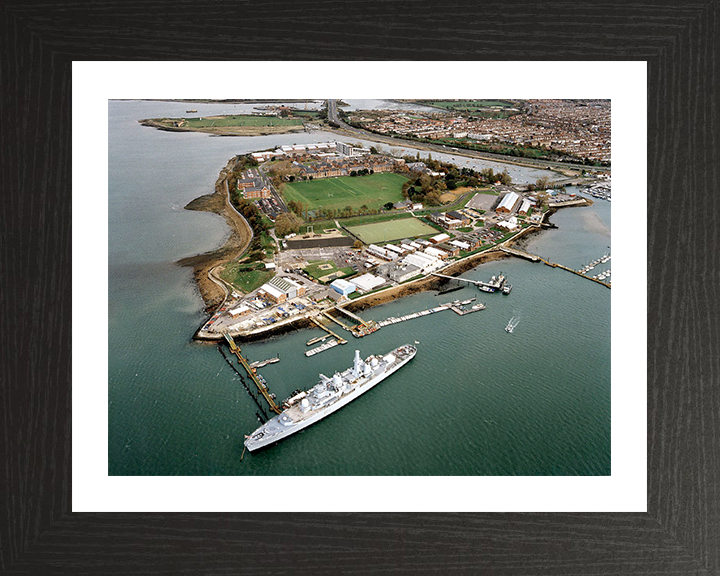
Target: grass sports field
{"type": "Point", "coordinates": [392, 230]}
{"type": "Point", "coordinates": [462, 105]}
{"type": "Point", "coordinates": [373, 191]}
{"type": "Point", "coordinates": [241, 120]}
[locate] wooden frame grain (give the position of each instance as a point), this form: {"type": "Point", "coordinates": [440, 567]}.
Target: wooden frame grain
{"type": "Point", "coordinates": [680, 532]}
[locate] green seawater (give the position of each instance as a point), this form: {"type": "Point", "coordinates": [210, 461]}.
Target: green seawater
{"type": "Point", "coordinates": [474, 401]}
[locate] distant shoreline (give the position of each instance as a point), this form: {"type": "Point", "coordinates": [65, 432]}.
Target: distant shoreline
{"type": "Point", "coordinates": [224, 130]}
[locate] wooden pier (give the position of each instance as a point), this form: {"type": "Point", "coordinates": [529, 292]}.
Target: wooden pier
{"type": "Point", "coordinates": [535, 258]}
{"type": "Point", "coordinates": [261, 386]}
{"type": "Point", "coordinates": [520, 254]}
{"type": "Point", "coordinates": [330, 332]}
{"type": "Point", "coordinates": [351, 315]}
{"type": "Point", "coordinates": [487, 285]}
{"type": "Point", "coordinates": [318, 339]}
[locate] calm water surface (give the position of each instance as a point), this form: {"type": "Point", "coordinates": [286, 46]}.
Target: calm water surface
{"type": "Point", "coordinates": [474, 401]}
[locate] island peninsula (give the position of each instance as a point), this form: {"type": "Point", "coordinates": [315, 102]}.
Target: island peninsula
{"type": "Point", "coordinates": [323, 230]}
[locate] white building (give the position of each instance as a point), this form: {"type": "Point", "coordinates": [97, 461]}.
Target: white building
{"type": "Point", "coordinates": [508, 225]}
{"type": "Point", "coordinates": [240, 310]}
{"type": "Point", "coordinates": [525, 207]}
{"type": "Point", "coordinates": [435, 253]}
{"type": "Point", "coordinates": [462, 245]}
{"type": "Point", "coordinates": [343, 287]}
{"type": "Point", "coordinates": [404, 271]}
{"type": "Point", "coordinates": [508, 203]}
{"type": "Point", "coordinates": [368, 282]}
{"type": "Point", "coordinates": [349, 150]}
{"type": "Point", "coordinates": [425, 262]}
{"type": "Point", "coordinates": [381, 252]}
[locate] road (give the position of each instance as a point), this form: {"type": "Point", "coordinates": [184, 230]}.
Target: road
{"type": "Point", "coordinates": [530, 162]}
{"type": "Point", "coordinates": [278, 198]}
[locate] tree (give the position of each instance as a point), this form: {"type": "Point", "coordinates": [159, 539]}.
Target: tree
{"type": "Point", "coordinates": [541, 198]}
{"type": "Point", "coordinates": [488, 175]}
{"type": "Point", "coordinates": [388, 206]}
{"type": "Point", "coordinates": [451, 184]}
{"type": "Point", "coordinates": [357, 244]}
{"type": "Point", "coordinates": [433, 198]}
{"type": "Point", "coordinates": [287, 224]}
{"type": "Point", "coordinates": [543, 183]}
{"type": "Point", "coordinates": [504, 177]}
{"type": "Point", "coordinates": [296, 207]}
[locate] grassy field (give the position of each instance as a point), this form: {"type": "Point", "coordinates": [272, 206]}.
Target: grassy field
{"type": "Point", "coordinates": [465, 105]}
{"type": "Point", "coordinates": [241, 120]}
{"type": "Point", "coordinates": [373, 191]}
{"type": "Point", "coordinates": [391, 230]}
{"type": "Point", "coordinates": [245, 277]}
{"type": "Point", "coordinates": [321, 268]}
{"type": "Point", "coordinates": [323, 225]}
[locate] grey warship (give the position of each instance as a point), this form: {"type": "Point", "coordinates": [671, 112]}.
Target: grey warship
{"type": "Point", "coordinates": [329, 395]}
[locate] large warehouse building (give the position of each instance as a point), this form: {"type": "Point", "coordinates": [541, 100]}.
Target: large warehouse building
{"type": "Point", "coordinates": [280, 289]}
{"type": "Point", "coordinates": [508, 203]}
{"type": "Point", "coordinates": [368, 282]}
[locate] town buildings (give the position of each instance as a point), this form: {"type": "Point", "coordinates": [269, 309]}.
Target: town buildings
{"type": "Point", "coordinates": [577, 128]}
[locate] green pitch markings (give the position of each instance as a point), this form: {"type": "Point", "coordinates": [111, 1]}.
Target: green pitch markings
{"type": "Point", "coordinates": [392, 230]}
{"type": "Point", "coordinates": [372, 191]}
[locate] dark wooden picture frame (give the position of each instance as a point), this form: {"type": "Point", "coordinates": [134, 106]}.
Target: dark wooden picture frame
{"type": "Point", "coordinates": [681, 530]}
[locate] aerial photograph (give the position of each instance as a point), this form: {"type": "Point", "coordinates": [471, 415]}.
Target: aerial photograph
{"type": "Point", "coordinates": [359, 287]}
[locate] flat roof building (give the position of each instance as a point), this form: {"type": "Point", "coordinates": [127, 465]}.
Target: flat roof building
{"type": "Point", "coordinates": [368, 282]}
{"type": "Point", "coordinates": [404, 271]}
{"type": "Point", "coordinates": [343, 287]}
{"type": "Point", "coordinates": [425, 262]}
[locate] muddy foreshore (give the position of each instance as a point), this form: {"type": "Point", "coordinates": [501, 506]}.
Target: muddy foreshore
{"type": "Point", "coordinates": [235, 245]}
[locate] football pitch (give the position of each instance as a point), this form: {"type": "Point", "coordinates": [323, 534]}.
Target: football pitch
{"type": "Point", "coordinates": [391, 230]}
{"type": "Point", "coordinates": [372, 191]}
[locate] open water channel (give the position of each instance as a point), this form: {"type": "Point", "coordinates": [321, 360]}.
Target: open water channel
{"type": "Point", "coordinates": [474, 401]}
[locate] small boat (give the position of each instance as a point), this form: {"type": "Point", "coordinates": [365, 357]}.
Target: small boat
{"type": "Point", "coordinates": [512, 324]}
{"type": "Point", "coordinates": [190, 111]}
